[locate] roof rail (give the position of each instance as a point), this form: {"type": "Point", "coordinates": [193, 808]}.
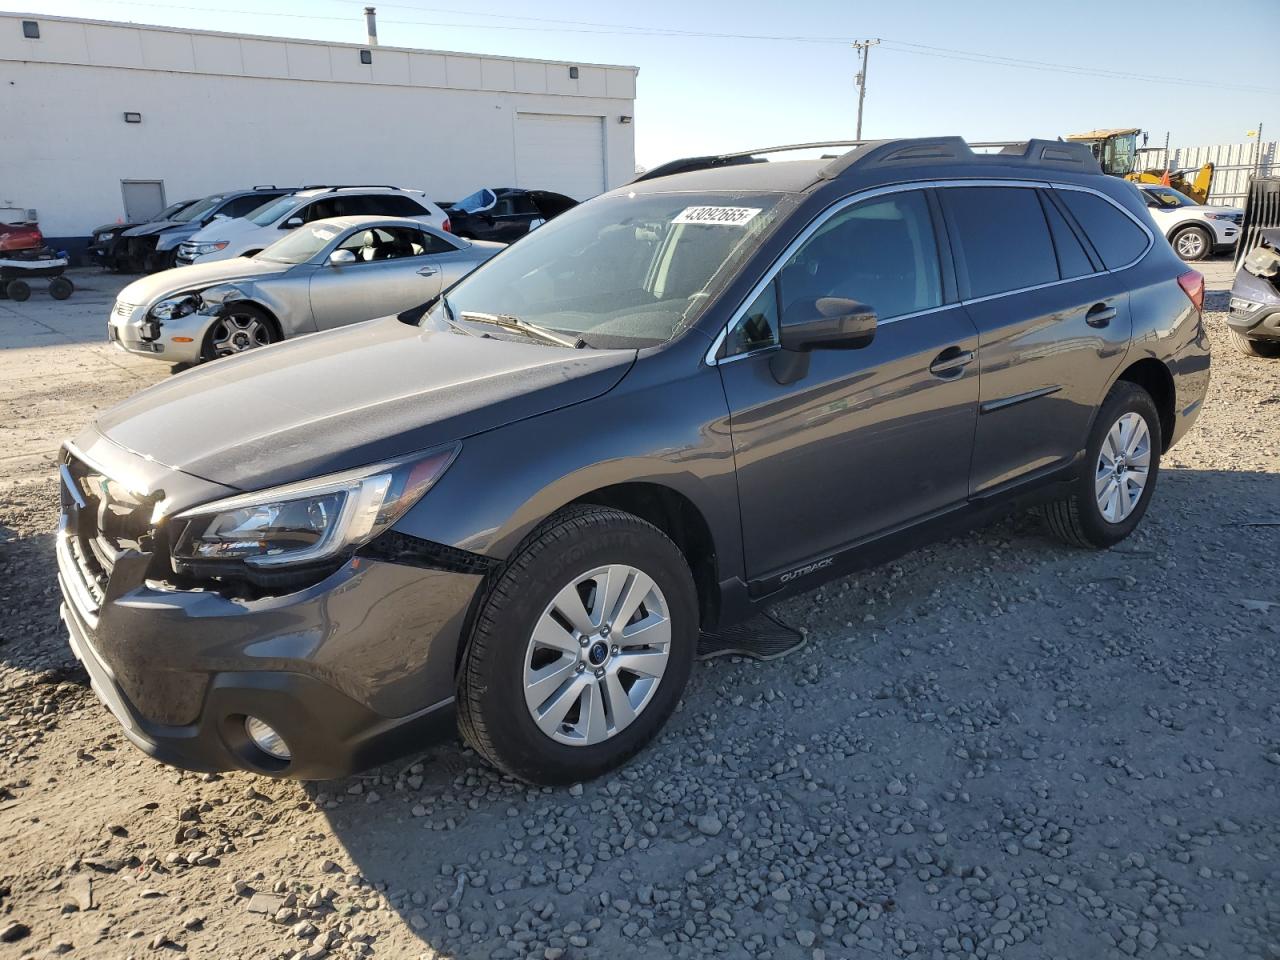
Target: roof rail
{"type": "Point", "coordinates": [331, 187]}
{"type": "Point", "coordinates": [867, 153]}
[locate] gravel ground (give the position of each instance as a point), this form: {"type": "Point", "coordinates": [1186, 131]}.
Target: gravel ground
{"type": "Point", "coordinates": [997, 746]}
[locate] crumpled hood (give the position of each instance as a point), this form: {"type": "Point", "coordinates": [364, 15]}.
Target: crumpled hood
{"type": "Point", "coordinates": [224, 228]}
{"type": "Point", "coordinates": [198, 276]}
{"type": "Point", "coordinates": [347, 398]}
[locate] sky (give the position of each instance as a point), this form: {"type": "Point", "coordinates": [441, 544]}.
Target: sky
{"type": "Point", "coordinates": [720, 75]}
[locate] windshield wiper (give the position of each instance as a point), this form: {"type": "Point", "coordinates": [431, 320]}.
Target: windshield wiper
{"type": "Point", "coordinates": [509, 322]}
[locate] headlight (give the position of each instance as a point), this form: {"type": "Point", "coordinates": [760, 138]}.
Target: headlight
{"type": "Point", "coordinates": [306, 522]}
{"type": "Point", "coordinates": [176, 307]}
{"type": "Point", "coordinates": [200, 249]}
{"type": "Point", "coordinates": [1220, 216]}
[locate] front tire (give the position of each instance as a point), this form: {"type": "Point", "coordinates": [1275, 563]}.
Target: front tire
{"type": "Point", "coordinates": [581, 648]}
{"type": "Point", "coordinates": [1254, 348]}
{"type": "Point", "coordinates": [1122, 461]}
{"type": "Point", "coordinates": [241, 326]}
{"type": "Point", "coordinates": [1192, 243]}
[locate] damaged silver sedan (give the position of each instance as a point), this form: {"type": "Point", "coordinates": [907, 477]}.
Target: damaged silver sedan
{"type": "Point", "coordinates": [327, 274]}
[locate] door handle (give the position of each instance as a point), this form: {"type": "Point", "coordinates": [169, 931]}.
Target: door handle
{"type": "Point", "coordinates": [427, 271]}
{"type": "Point", "coordinates": [1099, 315]}
{"type": "Point", "coordinates": [950, 362]}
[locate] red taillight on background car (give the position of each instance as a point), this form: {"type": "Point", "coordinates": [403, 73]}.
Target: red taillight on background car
{"type": "Point", "coordinates": [447, 227]}
{"type": "Point", "coordinates": [20, 236]}
{"type": "Point", "coordinates": [1192, 284]}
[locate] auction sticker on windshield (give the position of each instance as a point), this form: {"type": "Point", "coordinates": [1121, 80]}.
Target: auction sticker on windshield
{"type": "Point", "coordinates": [724, 216]}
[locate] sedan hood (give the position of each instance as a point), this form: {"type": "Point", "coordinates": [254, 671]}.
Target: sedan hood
{"type": "Point", "coordinates": [347, 398]}
{"type": "Point", "coordinates": [224, 228]}
{"type": "Point", "coordinates": [198, 276]}
{"type": "Point", "coordinates": [154, 227]}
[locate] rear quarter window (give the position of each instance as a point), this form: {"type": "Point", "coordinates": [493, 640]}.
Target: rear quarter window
{"type": "Point", "coordinates": [1003, 238]}
{"type": "Point", "coordinates": [1118, 240]}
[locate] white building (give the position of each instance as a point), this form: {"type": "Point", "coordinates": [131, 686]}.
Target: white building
{"type": "Point", "coordinates": [106, 120]}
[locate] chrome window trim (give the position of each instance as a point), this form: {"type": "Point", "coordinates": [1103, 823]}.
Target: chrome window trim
{"type": "Point", "coordinates": [844, 203]}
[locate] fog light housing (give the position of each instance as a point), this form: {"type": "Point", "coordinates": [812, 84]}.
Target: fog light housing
{"type": "Point", "coordinates": [266, 739]}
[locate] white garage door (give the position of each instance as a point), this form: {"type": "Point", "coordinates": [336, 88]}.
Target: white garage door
{"type": "Point", "coordinates": [560, 153]}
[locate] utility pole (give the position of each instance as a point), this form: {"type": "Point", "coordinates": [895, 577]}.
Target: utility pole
{"type": "Point", "coordinates": [865, 47]}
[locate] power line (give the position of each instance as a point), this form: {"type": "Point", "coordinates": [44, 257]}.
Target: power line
{"type": "Point", "coordinates": [632, 30]}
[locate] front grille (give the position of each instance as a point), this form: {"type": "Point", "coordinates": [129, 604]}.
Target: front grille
{"type": "Point", "coordinates": [100, 520]}
{"type": "Point", "coordinates": [125, 309]}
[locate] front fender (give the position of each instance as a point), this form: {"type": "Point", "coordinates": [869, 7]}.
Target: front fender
{"type": "Point", "coordinates": [648, 429]}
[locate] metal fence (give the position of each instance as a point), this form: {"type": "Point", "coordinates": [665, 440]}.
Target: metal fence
{"type": "Point", "coordinates": [1235, 164]}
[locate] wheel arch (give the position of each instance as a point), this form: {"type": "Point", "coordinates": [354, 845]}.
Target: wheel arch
{"type": "Point", "coordinates": [1154, 376]}
{"type": "Point", "coordinates": [1183, 224]}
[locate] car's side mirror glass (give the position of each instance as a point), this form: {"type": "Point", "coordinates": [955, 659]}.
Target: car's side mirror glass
{"type": "Point", "coordinates": [339, 257]}
{"type": "Point", "coordinates": [827, 323]}
{"type": "Point", "coordinates": [291, 223]}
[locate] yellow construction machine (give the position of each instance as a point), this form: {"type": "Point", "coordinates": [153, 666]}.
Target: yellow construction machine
{"type": "Point", "coordinates": [1117, 153]}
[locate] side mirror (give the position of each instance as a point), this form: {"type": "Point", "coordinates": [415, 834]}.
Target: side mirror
{"type": "Point", "coordinates": [339, 257]}
{"type": "Point", "coordinates": [291, 223]}
{"type": "Point", "coordinates": [828, 323]}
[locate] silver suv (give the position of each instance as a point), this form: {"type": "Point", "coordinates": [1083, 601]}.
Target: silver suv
{"type": "Point", "coordinates": [224, 239]}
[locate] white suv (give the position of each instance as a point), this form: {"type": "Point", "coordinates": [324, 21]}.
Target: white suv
{"type": "Point", "coordinates": [1193, 229]}
{"type": "Point", "coordinates": [224, 239]}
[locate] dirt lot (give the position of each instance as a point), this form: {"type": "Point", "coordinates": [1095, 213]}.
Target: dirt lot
{"type": "Point", "coordinates": [998, 746]}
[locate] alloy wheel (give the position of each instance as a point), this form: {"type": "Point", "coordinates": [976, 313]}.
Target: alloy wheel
{"type": "Point", "coordinates": [1191, 244]}
{"type": "Point", "coordinates": [238, 332]}
{"type": "Point", "coordinates": [597, 655]}
{"type": "Point", "coordinates": [1124, 463]}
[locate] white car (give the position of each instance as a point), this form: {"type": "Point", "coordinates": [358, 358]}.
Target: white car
{"type": "Point", "coordinates": [225, 239]}
{"type": "Point", "coordinates": [1193, 229]}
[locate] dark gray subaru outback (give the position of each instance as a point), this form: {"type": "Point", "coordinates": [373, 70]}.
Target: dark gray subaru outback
{"type": "Point", "coordinates": [521, 503]}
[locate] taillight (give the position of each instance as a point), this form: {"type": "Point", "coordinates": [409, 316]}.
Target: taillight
{"type": "Point", "coordinates": [1192, 284]}
{"type": "Point", "coordinates": [447, 227]}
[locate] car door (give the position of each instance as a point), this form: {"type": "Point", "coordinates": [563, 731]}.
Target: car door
{"type": "Point", "coordinates": [1053, 326]}
{"type": "Point", "coordinates": [395, 268]}
{"type": "Point", "coordinates": [864, 440]}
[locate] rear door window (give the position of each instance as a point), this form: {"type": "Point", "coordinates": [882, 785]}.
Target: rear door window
{"type": "Point", "coordinates": [1003, 238]}
{"type": "Point", "coordinates": [1118, 240]}
{"type": "Point", "coordinates": [242, 205]}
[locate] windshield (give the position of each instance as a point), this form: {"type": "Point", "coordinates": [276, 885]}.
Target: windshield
{"type": "Point", "coordinates": [620, 271]}
{"type": "Point", "coordinates": [271, 211]}
{"type": "Point", "coordinates": [300, 245]}
{"type": "Point", "coordinates": [1169, 198]}
{"type": "Point", "coordinates": [477, 201]}
{"type": "Point", "coordinates": [169, 212]}
{"type": "Point", "coordinates": [197, 209]}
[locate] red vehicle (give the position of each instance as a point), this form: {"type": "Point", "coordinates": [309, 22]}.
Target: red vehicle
{"type": "Point", "coordinates": [24, 256]}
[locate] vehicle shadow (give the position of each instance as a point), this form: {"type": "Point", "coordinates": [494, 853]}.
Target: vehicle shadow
{"type": "Point", "coordinates": [769, 775]}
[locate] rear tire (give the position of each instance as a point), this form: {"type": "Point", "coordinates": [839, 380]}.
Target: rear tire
{"type": "Point", "coordinates": [18, 290]}
{"type": "Point", "coordinates": [60, 288]}
{"type": "Point", "coordinates": [1192, 243]}
{"type": "Point", "coordinates": [1254, 348]}
{"type": "Point", "coordinates": [603, 557]}
{"type": "Point", "coordinates": [1118, 481]}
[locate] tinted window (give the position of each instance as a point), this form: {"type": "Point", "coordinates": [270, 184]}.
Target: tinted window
{"type": "Point", "coordinates": [1118, 240]}
{"type": "Point", "coordinates": [881, 252]}
{"type": "Point", "coordinates": [1003, 237]}
{"type": "Point", "coordinates": [1072, 259]}
{"type": "Point", "coordinates": [758, 326]}
{"type": "Point", "coordinates": [242, 205]}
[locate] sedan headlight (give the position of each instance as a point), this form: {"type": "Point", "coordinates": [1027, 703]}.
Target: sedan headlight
{"type": "Point", "coordinates": [175, 307]}
{"type": "Point", "coordinates": [307, 522]}
{"type": "Point", "coordinates": [200, 249]}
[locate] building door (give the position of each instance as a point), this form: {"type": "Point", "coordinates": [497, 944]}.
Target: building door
{"type": "Point", "coordinates": [143, 199]}
{"type": "Point", "coordinates": [560, 153]}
